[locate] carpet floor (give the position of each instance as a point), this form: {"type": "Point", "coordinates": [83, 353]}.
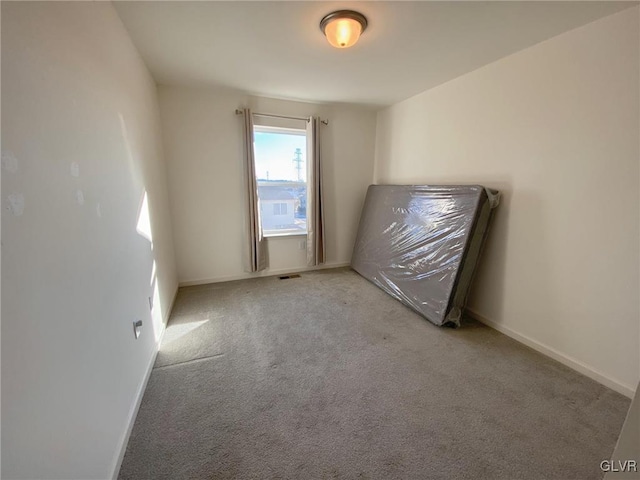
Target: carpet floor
{"type": "Point", "coordinates": [326, 376]}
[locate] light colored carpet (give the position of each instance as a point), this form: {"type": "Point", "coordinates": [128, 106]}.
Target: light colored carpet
{"type": "Point", "coordinates": [325, 376]}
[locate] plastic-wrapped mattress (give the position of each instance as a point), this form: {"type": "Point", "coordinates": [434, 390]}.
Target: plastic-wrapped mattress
{"type": "Point", "coordinates": [421, 244]}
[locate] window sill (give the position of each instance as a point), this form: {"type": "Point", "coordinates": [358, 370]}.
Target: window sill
{"type": "Point", "coordinates": [285, 234]}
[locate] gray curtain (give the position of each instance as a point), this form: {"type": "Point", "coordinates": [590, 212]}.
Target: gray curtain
{"type": "Point", "coordinates": [256, 246]}
{"type": "Point", "coordinates": [316, 250]}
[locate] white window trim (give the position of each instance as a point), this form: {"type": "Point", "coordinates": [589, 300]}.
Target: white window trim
{"type": "Point", "coordinates": [287, 131]}
{"type": "Point", "coordinates": [290, 131]}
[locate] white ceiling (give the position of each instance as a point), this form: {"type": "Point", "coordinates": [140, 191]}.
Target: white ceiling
{"type": "Point", "coordinates": [276, 49]}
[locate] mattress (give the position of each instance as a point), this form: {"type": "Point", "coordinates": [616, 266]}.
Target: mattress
{"type": "Point", "coordinates": [421, 244]}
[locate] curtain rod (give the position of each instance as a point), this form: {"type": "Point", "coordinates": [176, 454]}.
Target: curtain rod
{"type": "Point", "coordinates": [271, 115]}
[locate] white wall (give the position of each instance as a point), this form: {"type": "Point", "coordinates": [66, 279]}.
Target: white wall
{"type": "Point", "coordinates": [555, 127]}
{"type": "Point", "coordinates": [628, 446]}
{"type": "Point", "coordinates": [203, 145]}
{"type": "Point", "coordinates": [76, 272]}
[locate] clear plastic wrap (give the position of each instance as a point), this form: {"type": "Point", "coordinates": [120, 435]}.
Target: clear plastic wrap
{"type": "Point", "coordinates": [421, 243]}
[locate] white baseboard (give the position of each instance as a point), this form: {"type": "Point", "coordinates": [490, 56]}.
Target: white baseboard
{"type": "Point", "coordinates": [626, 390]}
{"type": "Point", "coordinates": [264, 273]}
{"type": "Point", "coordinates": [133, 412]}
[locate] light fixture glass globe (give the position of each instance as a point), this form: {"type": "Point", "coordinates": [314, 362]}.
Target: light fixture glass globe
{"type": "Point", "coordinates": [343, 32]}
{"type": "Point", "coordinates": [343, 27]}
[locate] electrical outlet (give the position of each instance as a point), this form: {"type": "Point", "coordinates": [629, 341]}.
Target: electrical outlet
{"type": "Point", "coordinates": [137, 326]}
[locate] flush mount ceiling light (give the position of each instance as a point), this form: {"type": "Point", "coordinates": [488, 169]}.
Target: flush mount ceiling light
{"type": "Point", "coordinates": [343, 28]}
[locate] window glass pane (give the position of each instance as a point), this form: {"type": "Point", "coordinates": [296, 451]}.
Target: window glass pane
{"type": "Point", "coordinates": [281, 172]}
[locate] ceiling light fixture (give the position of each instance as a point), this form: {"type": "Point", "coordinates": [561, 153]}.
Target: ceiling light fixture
{"type": "Point", "coordinates": [343, 28]}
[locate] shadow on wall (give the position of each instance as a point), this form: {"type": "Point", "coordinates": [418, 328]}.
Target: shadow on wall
{"type": "Point", "coordinates": [517, 227]}
{"type": "Point", "coordinates": [486, 294]}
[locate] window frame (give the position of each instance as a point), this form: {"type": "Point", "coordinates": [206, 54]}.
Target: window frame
{"type": "Point", "coordinates": [286, 131]}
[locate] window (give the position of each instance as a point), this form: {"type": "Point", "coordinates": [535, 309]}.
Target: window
{"type": "Point", "coordinates": [281, 174]}
{"type": "Point", "coordinates": [279, 208]}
